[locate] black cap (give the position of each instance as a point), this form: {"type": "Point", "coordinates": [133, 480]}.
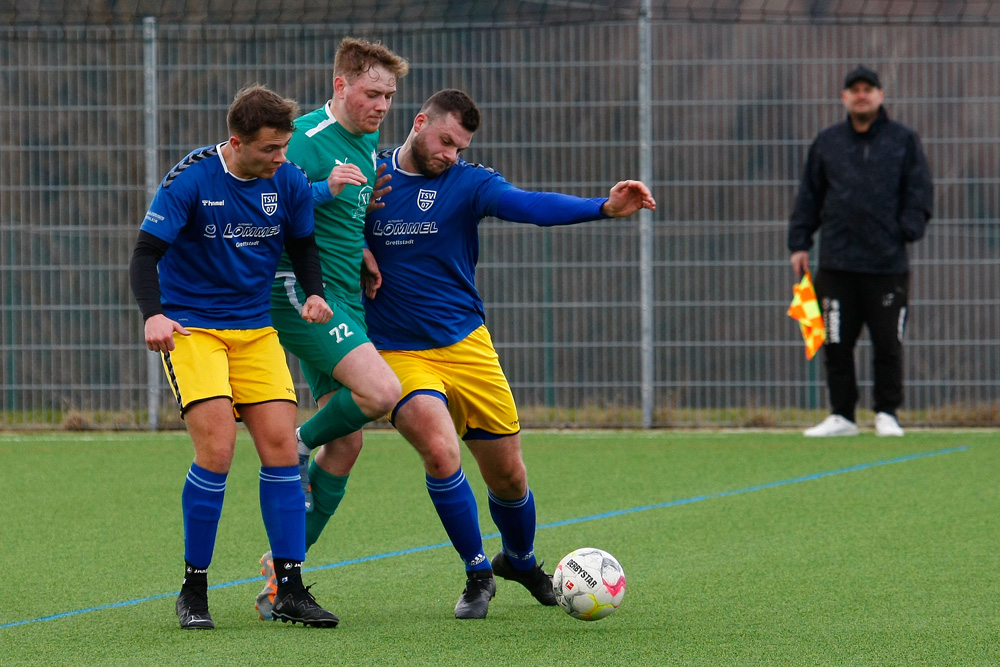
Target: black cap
{"type": "Point", "coordinates": [861, 73]}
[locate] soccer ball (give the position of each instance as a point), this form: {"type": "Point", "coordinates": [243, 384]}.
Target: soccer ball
{"type": "Point", "coordinates": [589, 584]}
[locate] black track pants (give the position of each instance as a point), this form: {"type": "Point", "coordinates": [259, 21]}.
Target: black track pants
{"type": "Point", "coordinates": [849, 301]}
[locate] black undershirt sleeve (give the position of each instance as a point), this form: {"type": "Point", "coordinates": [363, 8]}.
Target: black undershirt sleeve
{"type": "Point", "coordinates": [142, 275]}
{"type": "Point", "coordinates": [305, 262]}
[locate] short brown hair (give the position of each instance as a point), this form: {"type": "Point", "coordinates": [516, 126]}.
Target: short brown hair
{"type": "Point", "coordinates": [356, 56]}
{"type": "Point", "coordinates": [456, 102]}
{"type": "Point", "coordinates": [255, 106]}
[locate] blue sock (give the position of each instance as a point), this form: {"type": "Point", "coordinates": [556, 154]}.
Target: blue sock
{"type": "Point", "coordinates": [201, 503]}
{"type": "Point", "coordinates": [516, 521]}
{"type": "Point", "coordinates": [456, 505]}
{"type": "Point", "coordinates": [283, 507]}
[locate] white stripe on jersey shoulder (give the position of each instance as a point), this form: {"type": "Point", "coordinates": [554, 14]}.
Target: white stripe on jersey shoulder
{"type": "Point", "coordinates": [218, 149]}
{"type": "Point", "coordinates": [330, 120]}
{"type": "Point", "coordinates": [395, 164]}
{"type": "Point", "coordinates": [225, 167]}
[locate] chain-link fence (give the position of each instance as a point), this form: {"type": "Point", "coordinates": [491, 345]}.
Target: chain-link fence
{"type": "Point", "coordinates": [678, 319]}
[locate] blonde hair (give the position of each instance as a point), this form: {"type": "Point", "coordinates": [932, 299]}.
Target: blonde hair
{"type": "Point", "coordinates": [356, 56]}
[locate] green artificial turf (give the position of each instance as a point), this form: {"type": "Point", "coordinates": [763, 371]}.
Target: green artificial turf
{"type": "Point", "coordinates": [740, 548]}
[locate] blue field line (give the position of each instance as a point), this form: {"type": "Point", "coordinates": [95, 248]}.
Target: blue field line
{"type": "Point", "coordinates": [760, 487]}
{"type": "Point", "coordinates": [554, 524]}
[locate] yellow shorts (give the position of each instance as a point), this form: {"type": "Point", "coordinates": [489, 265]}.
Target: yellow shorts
{"type": "Point", "coordinates": [467, 375]}
{"type": "Point", "coordinates": [244, 365]}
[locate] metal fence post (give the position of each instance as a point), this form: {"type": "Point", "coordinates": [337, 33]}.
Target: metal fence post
{"type": "Point", "coordinates": [646, 216]}
{"type": "Point", "coordinates": [150, 114]}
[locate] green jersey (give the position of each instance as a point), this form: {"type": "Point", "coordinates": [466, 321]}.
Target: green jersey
{"type": "Point", "coordinates": [318, 144]}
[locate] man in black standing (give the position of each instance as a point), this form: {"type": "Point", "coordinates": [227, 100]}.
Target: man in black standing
{"type": "Point", "coordinates": [867, 187]}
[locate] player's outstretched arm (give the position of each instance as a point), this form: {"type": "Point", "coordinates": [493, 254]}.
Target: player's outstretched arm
{"type": "Point", "coordinates": [626, 198]}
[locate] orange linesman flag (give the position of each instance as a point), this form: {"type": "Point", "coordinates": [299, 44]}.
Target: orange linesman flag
{"type": "Point", "coordinates": [805, 309]}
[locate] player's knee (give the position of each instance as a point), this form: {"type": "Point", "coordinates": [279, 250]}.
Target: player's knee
{"type": "Point", "coordinates": [508, 482]}
{"type": "Point", "coordinates": [383, 397]}
{"type": "Point", "coordinates": [510, 489]}
{"type": "Point", "coordinates": [441, 461]}
{"type": "Point", "coordinates": [217, 457]}
{"type": "Point", "coordinates": [438, 469]}
{"type": "Point", "coordinates": [390, 397]}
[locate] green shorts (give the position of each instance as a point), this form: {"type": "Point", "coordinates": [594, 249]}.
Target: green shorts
{"type": "Point", "coordinates": [318, 347]}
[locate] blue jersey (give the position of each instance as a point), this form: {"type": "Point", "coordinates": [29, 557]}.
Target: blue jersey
{"type": "Point", "coordinates": [426, 243]}
{"type": "Point", "coordinates": [226, 235]}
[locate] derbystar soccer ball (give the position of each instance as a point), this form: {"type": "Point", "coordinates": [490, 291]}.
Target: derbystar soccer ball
{"type": "Point", "coordinates": [589, 584]}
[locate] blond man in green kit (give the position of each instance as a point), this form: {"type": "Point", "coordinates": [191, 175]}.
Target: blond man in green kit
{"type": "Point", "coordinates": [335, 145]}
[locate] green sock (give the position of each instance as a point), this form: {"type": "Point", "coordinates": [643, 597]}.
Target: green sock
{"type": "Point", "coordinates": [328, 490]}
{"type": "Point", "coordinates": [339, 417]}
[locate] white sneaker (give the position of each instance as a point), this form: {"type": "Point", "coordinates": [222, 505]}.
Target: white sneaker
{"type": "Point", "coordinates": [833, 425]}
{"type": "Point", "coordinates": [886, 424]}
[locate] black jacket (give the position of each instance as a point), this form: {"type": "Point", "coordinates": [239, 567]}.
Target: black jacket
{"type": "Point", "coordinates": [870, 193]}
